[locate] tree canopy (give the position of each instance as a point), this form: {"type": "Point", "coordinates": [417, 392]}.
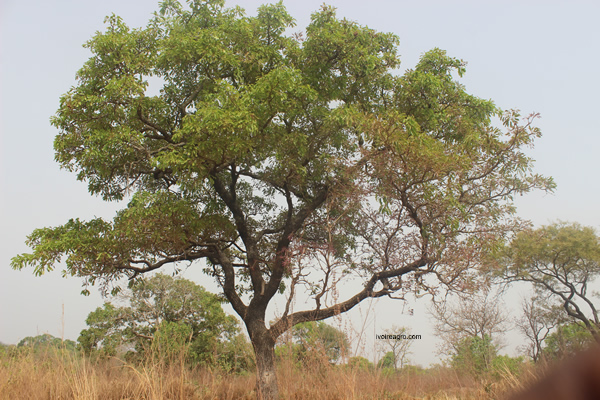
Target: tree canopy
{"type": "Point", "coordinates": [473, 355]}
{"type": "Point", "coordinates": [270, 156]}
{"type": "Point", "coordinates": [45, 343]}
{"type": "Point", "coordinates": [561, 261]}
{"type": "Point", "coordinates": [162, 307]}
{"type": "Point", "coordinates": [316, 341]}
{"type": "Point", "coordinates": [567, 340]}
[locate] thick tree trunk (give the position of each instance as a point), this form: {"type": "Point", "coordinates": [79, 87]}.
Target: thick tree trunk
{"type": "Point", "coordinates": [264, 349]}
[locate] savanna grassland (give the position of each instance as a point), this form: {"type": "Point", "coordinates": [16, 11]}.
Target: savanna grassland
{"type": "Point", "coordinates": [61, 374]}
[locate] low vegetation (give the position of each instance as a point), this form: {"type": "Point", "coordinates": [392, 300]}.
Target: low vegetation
{"type": "Point", "coordinates": [64, 373]}
{"type": "Point", "coordinates": [170, 339]}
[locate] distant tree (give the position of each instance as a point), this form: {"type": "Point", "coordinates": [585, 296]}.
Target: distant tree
{"type": "Point", "coordinates": [106, 333]}
{"type": "Point", "coordinates": [567, 340]}
{"type": "Point", "coordinates": [45, 342]}
{"type": "Point", "coordinates": [387, 361]}
{"type": "Point", "coordinates": [477, 315]}
{"type": "Point", "coordinates": [536, 323]}
{"type": "Point", "coordinates": [360, 363]}
{"type": "Point", "coordinates": [236, 355]}
{"type": "Point", "coordinates": [44, 345]}
{"type": "Point", "coordinates": [503, 365]}
{"type": "Point", "coordinates": [164, 315]}
{"type": "Point", "coordinates": [285, 162]}
{"type": "Point", "coordinates": [561, 261]}
{"type": "Point", "coordinates": [313, 341]}
{"type": "Point", "coordinates": [395, 346]}
{"type": "Point", "coordinates": [474, 355]}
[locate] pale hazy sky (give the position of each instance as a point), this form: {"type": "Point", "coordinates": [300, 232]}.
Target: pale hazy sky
{"type": "Point", "coordinates": [537, 56]}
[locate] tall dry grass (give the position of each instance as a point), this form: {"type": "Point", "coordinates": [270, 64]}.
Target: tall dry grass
{"type": "Point", "coordinates": [61, 375]}
{"type": "Point", "coordinates": [339, 382]}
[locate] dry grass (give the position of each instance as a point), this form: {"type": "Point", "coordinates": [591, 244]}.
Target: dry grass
{"type": "Point", "coordinates": [67, 376]}
{"type": "Point", "coordinates": [63, 375]}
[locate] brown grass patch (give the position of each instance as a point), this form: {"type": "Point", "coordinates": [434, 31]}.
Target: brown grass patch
{"type": "Point", "coordinates": [63, 375]}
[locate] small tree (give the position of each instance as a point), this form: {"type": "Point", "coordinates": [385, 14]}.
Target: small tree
{"type": "Point", "coordinates": [106, 333]}
{"type": "Point", "coordinates": [561, 261]}
{"type": "Point", "coordinates": [269, 156]}
{"type": "Point", "coordinates": [236, 355]}
{"type": "Point", "coordinates": [567, 340]}
{"type": "Point", "coordinates": [395, 346]}
{"type": "Point", "coordinates": [506, 365]}
{"type": "Point", "coordinates": [473, 355]}
{"type": "Point", "coordinates": [536, 323]}
{"type": "Point", "coordinates": [314, 341]}
{"type": "Point", "coordinates": [321, 338]}
{"type": "Point", "coordinates": [166, 315]}
{"type": "Point", "coordinates": [479, 315]}
{"type": "Point", "coordinates": [387, 361]}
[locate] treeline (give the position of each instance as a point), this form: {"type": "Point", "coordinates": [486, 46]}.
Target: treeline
{"type": "Point", "coordinates": [170, 335]}
{"type": "Point", "coordinates": [171, 319]}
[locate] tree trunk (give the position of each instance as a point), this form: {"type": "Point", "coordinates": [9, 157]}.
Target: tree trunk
{"type": "Point", "coordinates": [264, 349]}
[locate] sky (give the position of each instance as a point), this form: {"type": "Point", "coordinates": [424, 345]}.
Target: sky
{"type": "Point", "coordinates": [536, 56]}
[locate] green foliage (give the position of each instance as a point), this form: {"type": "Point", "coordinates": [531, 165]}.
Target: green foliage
{"type": "Point", "coordinates": [387, 368]}
{"type": "Point", "coordinates": [414, 370]}
{"type": "Point", "coordinates": [314, 343]}
{"type": "Point", "coordinates": [477, 357]}
{"type": "Point", "coordinates": [255, 152]}
{"type": "Point", "coordinates": [236, 355]}
{"type": "Point", "coordinates": [42, 348]}
{"type": "Point", "coordinates": [474, 355]}
{"type": "Point", "coordinates": [3, 349]}
{"type": "Point", "coordinates": [106, 332]}
{"type": "Point", "coordinates": [572, 248]}
{"type": "Point", "coordinates": [360, 363]}
{"type": "Point", "coordinates": [318, 339]}
{"type": "Point", "coordinates": [166, 317]}
{"type": "Point", "coordinates": [171, 340]}
{"type": "Point", "coordinates": [561, 260]}
{"type": "Point", "coordinates": [567, 340]}
{"type": "Point", "coordinates": [502, 366]}
{"type": "Point", "coordinates": [267, 114]}
{"type": "Point", "coordinates": [387, 361]}
{"type": "Point", "coordinates": [46, 342]}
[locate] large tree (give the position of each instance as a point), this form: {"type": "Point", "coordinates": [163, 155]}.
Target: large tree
{"type": "Point", "coordinates": [290, 164]}
{"type": "Point", "coordinates": [561, 260]}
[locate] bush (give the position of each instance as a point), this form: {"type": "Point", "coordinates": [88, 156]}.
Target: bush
{"type": "Point", "coordinates": [474, 355]}
{"type": "Point", "coordinates": [360, 363]}
{"type": "Point", "coordinates": [506, 365]}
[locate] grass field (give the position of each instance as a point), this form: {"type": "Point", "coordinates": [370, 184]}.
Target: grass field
{"type": "Point", "coordinates": [57, 374]}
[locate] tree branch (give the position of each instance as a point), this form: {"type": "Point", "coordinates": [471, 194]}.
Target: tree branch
{"type": "Point", "coordinates": [316, 315]}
